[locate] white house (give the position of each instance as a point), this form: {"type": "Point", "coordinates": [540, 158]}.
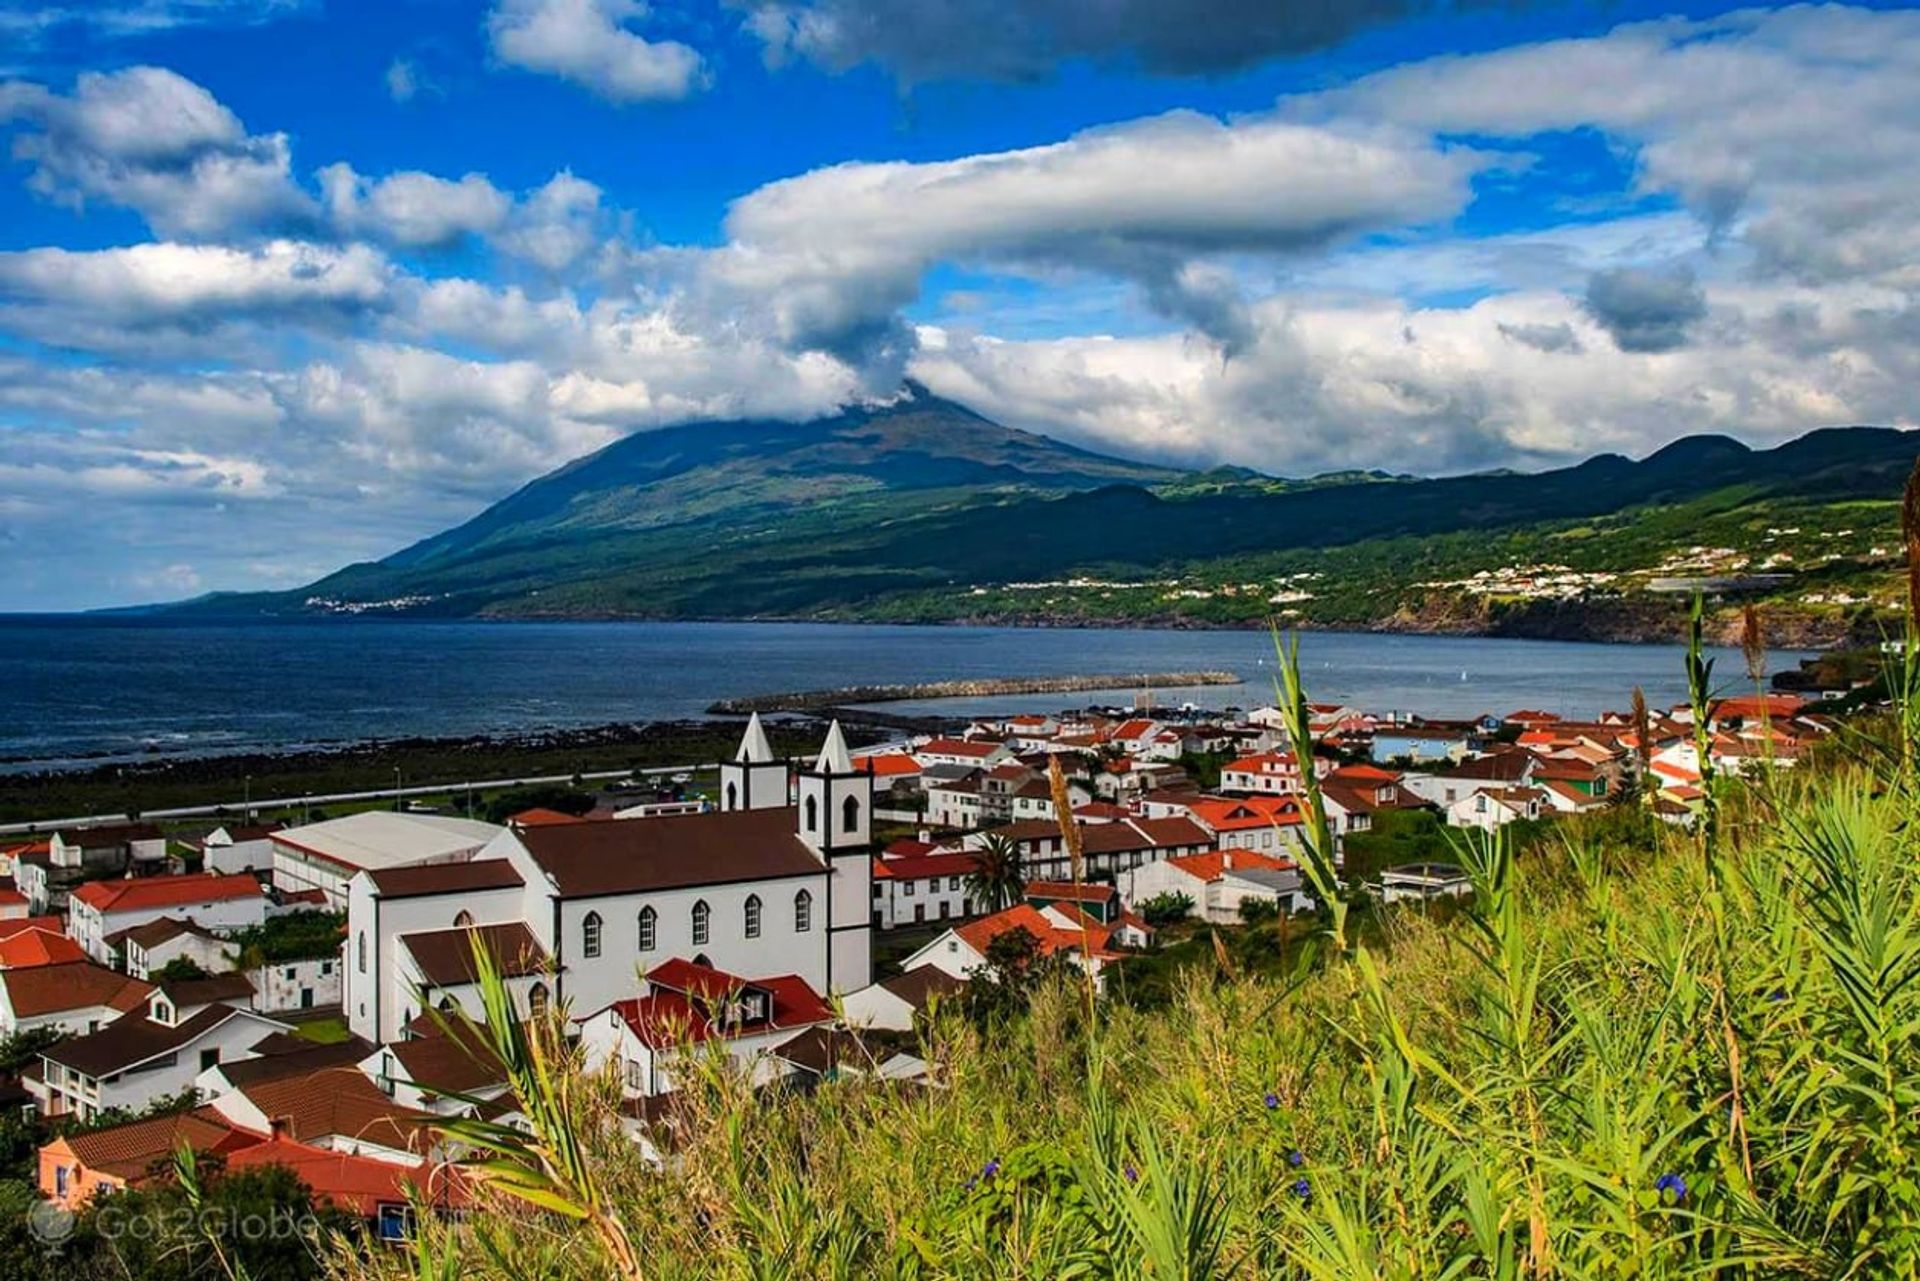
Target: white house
{"type": "Point", "coordinates": [962, 751]}
{"type": "Point", "coordinates": [146, 1056]}
{"type": "Point", "coordinates": [759, 886]}
{"type": "Point", "coordinates": [75, 997]}
{"type": "Point", "coordinates": [915, 888]}
{"type": "Point", "coordinates": [222, 904]}
{"type": "Point", "coordinates": [1218, 883]}
{"type": "Point", "coordinates": [894, 1003]}
{"type": "Point", "coordinates": [326, 856]}
{"type": "Point", "coordinates": [303, 984]}
{"type": "Point", "coordinates": [151, 946]}
{"type": "Point", "coordinates": [1421, 882]}
{"type": "Point", "coordinates": [684, 1007]}
{"type": "Point", "coordinates": [1496, 807]}
{"type": "Point", "coordinates": [1271, 773]}
{"type": "Point", "coordinates": [239, 848]}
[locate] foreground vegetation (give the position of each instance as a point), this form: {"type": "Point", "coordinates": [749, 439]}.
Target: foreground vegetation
{"type": "Point", "coordinates": [1638, 1052]}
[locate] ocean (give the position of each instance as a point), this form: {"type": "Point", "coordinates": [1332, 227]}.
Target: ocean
{"type": "Point", "coordinates": [85, 690]}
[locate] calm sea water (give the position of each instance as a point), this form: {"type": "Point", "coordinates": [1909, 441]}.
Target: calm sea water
{"type": "Point", "coordinates": [74, 688]}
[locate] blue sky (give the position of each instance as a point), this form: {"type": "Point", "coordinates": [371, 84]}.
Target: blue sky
{"type": "Point", "coordinates": [285, 286]}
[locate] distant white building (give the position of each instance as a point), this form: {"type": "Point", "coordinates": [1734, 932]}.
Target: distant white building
{"type": "Point", "coordinates": [222, 904]}
{"type": "Point", "coordinates": [326, 856]}
{"type": "Point", "coordinates": [239, 848]}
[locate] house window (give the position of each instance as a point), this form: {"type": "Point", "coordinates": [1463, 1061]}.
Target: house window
{"type": "Point", "coordinates": [209, 1058]}
{"type": "Point", "coordinates": [360, 950]}
{"type": "Point", "coordinates": [953, 882]}
{"type": "Point", "coordinates": [60, 1180]}
{"type": "Point", "coordinates": [649, 928]}
{"type": "Point", "coordinates": [753, 916]}
{"type": "Point", "coordinates": [733, 797]}
{"type": "Point", "coordinates": [850, 814]}
{"type": "Point", "coordinates": [876, 889]}
{"type": "Point", "coordinates": [635, 1078]}
{"type": "Point", "coordinates": [802, 912]}
{"type": "Point", "coordinates": [537, 1001]}
{"type": "Point", "coordinates": [906, 888]}
{"type": "Point", "coordinates": [590, 934]}
{"type": "Point", "coordinates": [813, 814]}
{"type": "Point", "coordinates": [463, 920]}
{"type": "Point", "coordinates": [702, 920]}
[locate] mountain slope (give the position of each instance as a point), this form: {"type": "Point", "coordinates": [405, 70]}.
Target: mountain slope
{"type": "Point", "coordinates": [923, 510]}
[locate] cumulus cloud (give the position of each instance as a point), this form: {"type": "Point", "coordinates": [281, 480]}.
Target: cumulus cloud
{"type": "Point", "coordinates": [590, 43]}
{"type": "Point", "coordinates": [121, 297]}
{"type": "Point", "coordinates": [1148, 201]}
{"type": "Point", "coordinates": [413, 209]}
{"type": "Point", "coordinates": [155, 142]}
{"type": "Point", "coordinates": [1027, 39]}
{"type": "Point", "coordinates": [1646, 310]}
{"type": "Point", "coordinates": [1550, 338]}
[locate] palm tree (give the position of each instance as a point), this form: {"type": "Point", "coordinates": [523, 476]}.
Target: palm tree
{"type": "Point", "coordinates": [996, 881]}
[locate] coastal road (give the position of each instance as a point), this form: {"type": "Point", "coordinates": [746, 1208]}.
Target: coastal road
{"type": "Point", "coordinates": [234, 807]}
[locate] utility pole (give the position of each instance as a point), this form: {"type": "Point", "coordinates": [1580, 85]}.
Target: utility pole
{"type": "Point", "coordinates": [396, 789]}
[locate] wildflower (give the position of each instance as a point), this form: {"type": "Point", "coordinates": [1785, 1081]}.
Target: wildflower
{"type": "Point", "coordinates": [1671, 1183]}
{"type": "Point", "coordinates": [990, 1169]}
{"type": "Point", "coordinates": [1272, 1100]}
{"type": "Point", "coordinates": [1133, 1175]}
{"type": "Point", "coordinates": [1302, 1189]}
{"type": "Point", "coordinates": [971, 1182]}
{"type": "Point", "coordinates": [1778, 995]}
{"type": "Point", "coordinates": [1296, 1158]}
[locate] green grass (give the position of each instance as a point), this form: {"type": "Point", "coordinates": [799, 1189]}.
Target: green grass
{"type": "Point", "coordinates": [331, 1030]}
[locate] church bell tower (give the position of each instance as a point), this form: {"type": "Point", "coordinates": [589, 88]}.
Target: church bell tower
{"type": "Point", "coordinates": [754, 779]}
{"type": "Point", "coordinates": [835, 819]}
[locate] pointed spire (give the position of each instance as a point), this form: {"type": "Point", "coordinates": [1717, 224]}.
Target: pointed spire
{"type": "Point", "coordinates": [754, 747]}
{"type": "Point", "coordinates": [834, 758]}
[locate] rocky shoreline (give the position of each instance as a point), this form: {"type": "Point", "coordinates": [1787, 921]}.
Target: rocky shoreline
{"type": "Point", "coordinates": [980, 687]}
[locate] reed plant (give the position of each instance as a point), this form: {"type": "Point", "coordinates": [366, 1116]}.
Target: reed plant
{"type": "Point", "coordinates": [1617, 1060]}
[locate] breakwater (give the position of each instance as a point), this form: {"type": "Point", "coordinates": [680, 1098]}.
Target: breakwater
{"type": "Point", "coordinates": [979, 687]}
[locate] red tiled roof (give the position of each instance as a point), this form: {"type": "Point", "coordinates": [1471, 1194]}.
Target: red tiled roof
{"type": "Point", "coordinates": [979, 935]}
{"type": "Point", "coordinates": [127, 1152]}
{"type": "Point", "coordinates": [1262, 763]}
{"type": "Point", "coordinates": [26, 948]}
{"type": "Point", "coordinates": [913, 866]}
{"type": "Point", "coordinates": [357, 1183]}
{"type": "Point", "coordinates": [1211, 867]}
{"type": "Point", "coordinates": [52, 924]}
{"type": "Point", "coordinates": [538, 817]}
{"type": "Point", "coordinates": [78, 985]}
{"type": "Point", "coordinates": [960, 747]}
{"type": "Point", "coordinates": [1068, 890]}
{"type": "Point", "coordinates": [679, 1006]}
{"type": "Point", "coordinates": [888, 765]}
{"type": "Point", "coordinates": [1240, 816]}
{"type": "Point", "coordinates": [144, 893]}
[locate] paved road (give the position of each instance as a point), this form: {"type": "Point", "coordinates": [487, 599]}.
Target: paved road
{"type": "Point", "coordinates": [334, 798]}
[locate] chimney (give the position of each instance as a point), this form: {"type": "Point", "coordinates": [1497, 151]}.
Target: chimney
{"type": "Point", "coordinates": [280, 1129]}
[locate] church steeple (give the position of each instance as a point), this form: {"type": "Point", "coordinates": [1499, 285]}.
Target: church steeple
{"type": "Point", "coordinates": [836, 800]}
{"type": "Point", "coordinates": [754, 779]}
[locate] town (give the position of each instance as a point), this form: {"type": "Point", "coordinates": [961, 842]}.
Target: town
{"type": "Point", "coordinates": [275, 994]}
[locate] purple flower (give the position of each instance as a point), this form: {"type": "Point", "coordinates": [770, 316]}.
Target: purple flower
{"type": "Point", "coordinates": [1778, 995]}
{"type": "Point", "coordinates": [1296, 1158]}
{"type": "Point", "coordinates": [990, 1169]}
{"type": "Point", "coordinates": [1133, 1175]}
{"type": "Point", "coordinates": [1272, 1100]}
{"type": "Point", "coordinates": [1302, 1189]}
{"type": "Point", "coordinates": [1671, 1183]}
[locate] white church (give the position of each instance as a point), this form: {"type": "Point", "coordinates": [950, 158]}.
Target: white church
{"type": "Point", "coordinates": [777, 881]}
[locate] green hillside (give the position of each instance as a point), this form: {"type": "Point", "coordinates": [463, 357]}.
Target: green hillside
{"type": "Point", "coordinates": [924, 511]}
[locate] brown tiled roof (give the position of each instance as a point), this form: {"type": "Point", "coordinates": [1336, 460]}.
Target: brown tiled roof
{"type": "Point", "coordinates": [215, 987]}
{"type": "Point", "coordinates": [96, 838]}
{"type": "Point", "coordinates": [667, 853]}
{"type": "Point", "coordinates": [445, 957]}
{"type": "Point", "coordinates": [445, 878]}
{"type": "Point", "coordinates": [49, 989]}
{"type": "Point", "coordinates": [132, 1040]}
{"type": "Point", "coordinates": [339, 1101]}
{"type": "Point", "coordinates": [454, 1062]}
{"type": "Point", "coordinates": [917, 987]}
{"type": "Point", "coordinates": [820, 1050]}
{"type": "Point", "coordinates": [284, 1055]}
{"type": "Point", "coordinates": [129, 1151]}
{"type": "Point", "coordinates": [154, 933]}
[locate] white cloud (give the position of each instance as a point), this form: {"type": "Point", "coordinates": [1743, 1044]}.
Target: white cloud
{"type": "Point", "coordinates": [836, 252]}
{"type": "Point", "coordinates": [412, 209]}
{"type": "Point", "coordinates": [589, 43]}
{"type": "Point", "coordinates": [157, 143]}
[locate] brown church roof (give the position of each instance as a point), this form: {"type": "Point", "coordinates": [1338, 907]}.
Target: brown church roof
{"type": "Point", "coordinates": [635, 855]}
